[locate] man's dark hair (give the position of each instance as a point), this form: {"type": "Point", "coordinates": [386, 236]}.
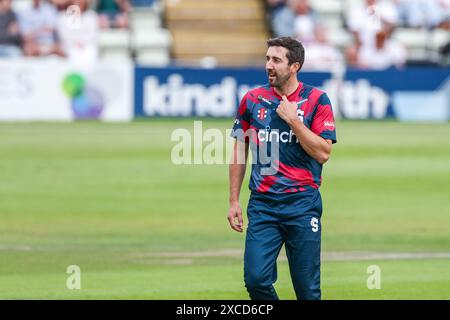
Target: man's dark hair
{"type": "Point", "coordinates": [296, 51]}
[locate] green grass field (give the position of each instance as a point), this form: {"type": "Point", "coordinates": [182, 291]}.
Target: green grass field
{"type": "Point", "coordinates": [107, 198]}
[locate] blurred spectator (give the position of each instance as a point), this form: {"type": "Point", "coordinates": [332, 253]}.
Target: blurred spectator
{"type": "Point", "coordinates": [296, 20]}
{"type": "Point", "coordinates": [364, 21]}
{"type": "Point", "coordinates": [320, 54]}
{"type": "Point", "coordinates": [10, 39]}
{"type": "Point", "coordinates": [283, 21]}
{"type": "Point", "coordinates": [113, 13]}
{"type": "Point", "coordinates": [273, 8]}
{"type": "Point", "coordinates": [423, 13]}
{"type": "Point", "coordinates": [38, 26]}
{"type": "Point", "coordinates": [79, 37]}
{"type": "Point", "coordinates": [304, 22]}
{"type": "Point", "coordinates": [384, 54]}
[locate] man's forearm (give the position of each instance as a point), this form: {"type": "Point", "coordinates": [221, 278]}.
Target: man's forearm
{"type": "Point", "coordinates": [237, 174]}
{"type": "Point", "coordinates": [314, 145]}
{"type": "Point", "coordinates": [237, 169]}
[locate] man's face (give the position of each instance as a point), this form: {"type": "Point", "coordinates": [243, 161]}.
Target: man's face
{"type": "Point", "coordinates": [277, 67]}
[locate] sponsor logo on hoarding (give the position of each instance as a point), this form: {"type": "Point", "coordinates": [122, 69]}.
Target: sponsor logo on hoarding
{"type": "Point", "coordinates": [87, 101]}
{"type": "Point", "coordinates": [177, 98]}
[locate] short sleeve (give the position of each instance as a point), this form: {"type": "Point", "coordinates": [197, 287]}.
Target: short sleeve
{"type": "Point", "coordinates": [323, 121]}
{"type": "Point", "coordinates": [241, 121]}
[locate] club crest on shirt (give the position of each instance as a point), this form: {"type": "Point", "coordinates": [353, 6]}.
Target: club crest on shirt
{"type": "Point", "coordinates": [262, 115]}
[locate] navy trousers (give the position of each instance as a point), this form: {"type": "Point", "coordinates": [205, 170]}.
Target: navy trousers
{"type": "Point", "coordinates": [292, 220]}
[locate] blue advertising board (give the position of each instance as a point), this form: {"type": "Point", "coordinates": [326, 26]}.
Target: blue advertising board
{"type": "Point", "coordinates": [418, 94]}
{"type": "Point", "coordinates": [176, 92]}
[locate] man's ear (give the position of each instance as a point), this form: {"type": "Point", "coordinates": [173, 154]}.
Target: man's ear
{"type": "Point", "coordinates": [295, 67]}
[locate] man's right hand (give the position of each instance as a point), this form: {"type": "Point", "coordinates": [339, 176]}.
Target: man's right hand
{"type": "Point", "coordinates": [235, 217]}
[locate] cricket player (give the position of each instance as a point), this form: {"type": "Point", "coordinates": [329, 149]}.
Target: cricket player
{"type": "Point", "coordinates": [285, 205]}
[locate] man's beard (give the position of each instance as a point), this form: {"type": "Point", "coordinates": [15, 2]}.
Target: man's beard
{"type": "Point", "coordinates": [279, 80]}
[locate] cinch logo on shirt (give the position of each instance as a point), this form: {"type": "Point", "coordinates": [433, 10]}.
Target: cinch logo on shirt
{"type": "Point", "coordinates": [276, 136]}
{"type": "Point", "coordinates": [328, 124]}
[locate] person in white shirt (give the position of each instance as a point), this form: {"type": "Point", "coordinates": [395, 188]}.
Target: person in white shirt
{"type": "Point", "coordinates": [364, 21]}
{"type": "Point", "coordinates": [304, 21]}
{"type": "Point", "coordinates": [78, 29]}
{"type": "Point", "coordinates": [320, 53]}
{"type": "Point", "coordinates": [386, 53]}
